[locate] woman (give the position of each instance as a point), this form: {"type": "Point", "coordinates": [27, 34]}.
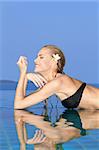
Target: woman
{"type": "Point", "coordinates": [48, 74]}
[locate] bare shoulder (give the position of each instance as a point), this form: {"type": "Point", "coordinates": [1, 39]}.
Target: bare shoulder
{"type": "Point", "coordinates": [53, 86]}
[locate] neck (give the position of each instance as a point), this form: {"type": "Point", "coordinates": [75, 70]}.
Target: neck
{"type": "Point", "coordinates": [48, 75]}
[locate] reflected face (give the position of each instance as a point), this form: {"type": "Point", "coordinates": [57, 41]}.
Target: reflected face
{"type": "Point", "coordinates": [43, 62]}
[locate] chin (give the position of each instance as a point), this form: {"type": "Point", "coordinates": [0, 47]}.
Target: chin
{"type": "Point", "coordinates": [37, 70]}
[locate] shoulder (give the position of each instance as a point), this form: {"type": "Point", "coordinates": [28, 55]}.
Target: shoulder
{"type": "Point", "coordinates": [56, 83]}
{"type": "Point", "coordinates": [64, 81]}
{"type": "Point", "coordinates": [52, 86]}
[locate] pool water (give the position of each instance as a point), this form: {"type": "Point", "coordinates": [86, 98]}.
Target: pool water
{"type": "Point", "coordinates": [63, 129]}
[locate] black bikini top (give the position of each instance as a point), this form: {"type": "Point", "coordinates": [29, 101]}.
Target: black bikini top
{"type": "Point", "coordinates": [74, 100]}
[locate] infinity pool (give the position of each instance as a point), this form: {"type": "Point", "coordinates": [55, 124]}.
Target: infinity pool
{"type": "Point", "coordinates": [46, 128]}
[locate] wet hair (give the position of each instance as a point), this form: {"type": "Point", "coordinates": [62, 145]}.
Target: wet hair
{"type": "Point", "coordinates": [61, 62]}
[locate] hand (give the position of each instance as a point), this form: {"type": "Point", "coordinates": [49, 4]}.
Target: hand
{"type": "Point", "coordinates": [22, 63]}
{"type": "Point", "coordinates": [38, 138]}
{"type": "Point", "coordinates": [37, 79]}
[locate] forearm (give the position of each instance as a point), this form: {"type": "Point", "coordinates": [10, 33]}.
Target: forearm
{"type": "Point", "coordinates": [19, 95]}
{"type": "Point", "coordinates": [25, 134]}
{"type": "Point", "coordinates": [25, 85]}
{"type": "Point", "coordinates": [20, 133]}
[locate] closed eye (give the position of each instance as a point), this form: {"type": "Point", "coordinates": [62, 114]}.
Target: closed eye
{"type": "Point", "coordinates": [41, 57]}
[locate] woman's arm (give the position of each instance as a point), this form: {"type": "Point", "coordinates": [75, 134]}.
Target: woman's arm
{"type": "Point", "coordinates": [20, 125]}
{"type": "Point", "coordinates": [25, 84]}
{"type": "Point", "coordinates": [20, 88]}
{"type": "Point", "coordinates": [21, 130]}
{"type": "Point", "coordinates": [22, 64]}
{"type": "Point", "coordinates": [37, 121]}
{"type": "Point", "coordinates": [46, 91]}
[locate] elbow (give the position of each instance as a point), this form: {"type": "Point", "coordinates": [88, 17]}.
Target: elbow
{"type": "Point", "coordinates": [18, 105]}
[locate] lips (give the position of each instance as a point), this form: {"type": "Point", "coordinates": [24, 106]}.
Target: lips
{"type": "Point", "coordinates": [36, 65]}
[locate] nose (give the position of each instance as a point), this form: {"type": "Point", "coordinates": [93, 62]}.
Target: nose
{"type": "Point", "coordinates": [36, 61]}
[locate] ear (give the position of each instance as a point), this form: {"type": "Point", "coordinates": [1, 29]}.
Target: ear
{"type": "Point", "coordinates": [53, 63]}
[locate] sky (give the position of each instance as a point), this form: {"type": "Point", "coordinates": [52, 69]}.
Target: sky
{"type": "Point", "coordinates": [26, 26]}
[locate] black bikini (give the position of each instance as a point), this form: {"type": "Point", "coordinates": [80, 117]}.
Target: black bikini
{"type": "Point", "coordinates": [74, 100]}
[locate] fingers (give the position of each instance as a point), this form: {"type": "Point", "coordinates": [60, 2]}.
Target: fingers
{"type": "Point", "coordinates": [22, 59]}
{"type": "Point", "coordinates": [30, 76]}
{"type": "Point", "coordinates": [40, 135]}
{"type": "Point", "coordinates": [39, 81]}
{"type": "Point", "coordinates": [40, 76]}
{"type": "Point", "coordinates": [36, 83]}
{"type": "Point", "coordinates": [38, 138]}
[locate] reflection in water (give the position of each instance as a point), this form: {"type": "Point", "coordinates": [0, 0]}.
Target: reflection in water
{"type": "Point", "coordinates": [52, 133]}
{"type": "Point", "coordinates": [73, 117]}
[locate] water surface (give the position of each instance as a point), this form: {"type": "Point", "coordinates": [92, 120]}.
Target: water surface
{"type": "Point", "coordinates": [63, 129]}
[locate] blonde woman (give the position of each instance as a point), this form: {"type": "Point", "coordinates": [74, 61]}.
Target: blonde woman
{"type": "Point", "coordinates": [50, 79]}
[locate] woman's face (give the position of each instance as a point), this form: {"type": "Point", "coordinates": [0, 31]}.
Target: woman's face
{"type": "Point", "coordinates": [43, 62]}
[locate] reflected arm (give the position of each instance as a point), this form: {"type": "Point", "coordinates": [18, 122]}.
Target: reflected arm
{"type": "Point", "coordinates": [20, 127]}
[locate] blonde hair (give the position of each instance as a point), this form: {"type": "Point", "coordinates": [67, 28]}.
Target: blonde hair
{"type": "Point", "coordinates": [61, 62]}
